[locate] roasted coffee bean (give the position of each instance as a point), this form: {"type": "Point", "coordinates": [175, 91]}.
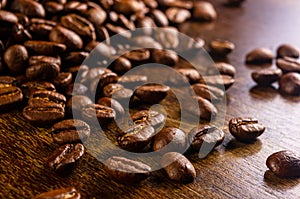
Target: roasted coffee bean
{"type": "Point", "coordinates": [39, 59]}
{"type": "Point", "coordinates": [118, 92]}
{"type": "Point", "coordinates": [64, 159]}
{"type": "Point", "coordinates": [114, 104]}
{"type": "Point", "coordinates": [28, 7]}
{"type": "Point", "coordinates": [138, 55]}
{"type": "Point", "coordinates": [106, 4]}
{"type": "Point", "coordinates": [10, 97]}
{"type": "Point", "coordinates": [22, 19]}
{"type": "Point", "coordinates": [290, 84]}
{"type": "Point", "coordinates": [63, 80]}
{"type": "Point", "coordinates": [245, 129]}
{"type": "Point", "coordinates": [76, 89]}
{"type": "Point", "coordinates": [45, 47]}
{"type": "Point", "coordinates": [75, 58]}
{"type": "Point", "coordinates": [3, 4]}
{"type": "Point", "coordinates": [177, 15]}
{"type": "Point", "coordinates": [102, 34]}
{"type": "Point", "coordinates": [151, 3]}
{"type": "Point", "coordinates": [288, 64]}
{"type": "Point", "coordinates": [220, 81]}
{"type": "Point", "coordinates": [75, 7]}
{"type": "Point", "coordinates": [260, 56]}
{"type": "Point", "coordinates": [42, 21]}
{"type": "Point", "coordinates": [80, 25]}
{"type": "Point", "coordinates": [43, 71]}
{"type": "Point", "coordinates": [204, 11]}
{"type": "Point", "coordinates": [76, 103]}
{"type": "Point", "coordinates": [176, 3]}
{"type": "Point", "coordinates": [7, 19]}
{"type": "Point", "coordinates": [150, 117]}
{"type": "Point", "coordinates": [170, 139]}
{"type": "Point", "coordinates": [146, 42]}
{"type": "Point", "coordinates": [285, 164]}
{"type": "Point", "coordinates": [100, 82]}
{"type": "Point", "coordinates": [93, 73]}
{"type": "Point", "coordinates": [68, 37]}
{"type": "Point", "coordinates": [7, 81]}
{"type": "Point", "coordinates": [159, 18]}
{"type": "Point", "coordinates": [29, 87]}
{"type": "Point", "coordinates": [178, 167]}
{"type": "Point", "coordinates": [18, 35]}
{"type": "Point", "coordinates": [70, 131]}
{"type": "Point", "coordinates": [93, 112]}
{"type": "Point", "coordinates": [113, 29]}
{"type": "Point", "coordinates": [210, 93]}
{"type": "Point", "coordinates": [165, 57]}
{"type": "Point", "coordinates": [204, 135]}
{"type": "Point", "coordinates": [151, 93]}
{"type": "Point", "coordinates": [43, 113]}
{"type": "Point", "coordinates": [168, 37]}
{"type": "Point", "coordinates": [147, 23]}
{"type": "Point", "coordinates": [63, 193]}
{"type": "Point", "coordinates": [132, 81]}
{"type": "Point", "coordinates": [205, 110]}
{"type": "Point", "coordinates": [53, 7]}
{"type": "Point", "coordinates": [16, 58]}
{"type": "Point", "coordinates": [128, 7]}
{"type": "Point", "coordinates": [96, 15]}
{"type": "Point", "coordinates": [189, 74]}
{"type": "Point", "coordinates": [287, 50]}
{"type": "Point", "coordinates": [126, 171]}
{"type": "Point", "coordinates": [221, 47]}
{"type": "Point", "coordinates": [126, 23]}
{"type": "Point", "coordinates": [266, 77]}
{"type": "Point", "coordinates": [121, 65]}
{"type": "Point", "coordinates": [221, 68]}
{"type": "Point", "coordinates": [136, 137]}
{"type": "Point", "coordinates": [45, 96]}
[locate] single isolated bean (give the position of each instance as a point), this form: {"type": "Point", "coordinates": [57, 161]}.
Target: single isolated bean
{"type": "Point", "coordinates": [260, 56]}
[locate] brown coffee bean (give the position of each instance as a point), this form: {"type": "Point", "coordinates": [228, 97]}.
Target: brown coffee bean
{"type": "Point", "coordinates": [288, 64]}
{"type": "Point", "coordinates": [22, 19]}
{"type": "Point", "coordinates": [126, 171]}
{"type": "Point", "coordinates": [220, 81]}
{"type": "Point", "coordinates": [70, 131]}
{"type": "Point", "coordinates": [28, 7]}
{"type": "Point", "coordinates": [151, 93]}
{"type": "Point", "coordinates": [146, 42]}
{"type": "Point", "coordinates": [210, 93]}
{"type": "Point", "coordinates": [147, 23]}
{"type": "Point", "coordinates": [118, 92]}
{"type": "Point", "coordinates": [64, 159]}
{"type": "Point", "coordinates": [16, 58]}
{"type": "Point", "coordinates": [63, 80]}
{"type": "Point", "coordinates": [96, 112]}
{"type": "Point", "coordinates": [176, 3]}
{"type": "Point", "coordinates": [207, 110]}
{"type": "Point", "coordinates": [221, 47]}
{"type": "Point", "coordinates": [189, 74]}
{"type": "Point", "coordinates": [178, 167]}
{"type": "Point", "coordinates": [45, 96]}
{"type": "Point", "coordinates": [136, 137]}
{"type": "Point", "coordinates": [221, 68]}
{"type": "Point", "coordinates": [290, 84]}
{"type": "Point", "coordinates": [285, 164]}
{"type": "Point", "coordinates": [39, 59]}
{"type": "Point", "coordinates": [42, 21]}
{"type": "Point", "coordinates": [152, 118]}
{"type": "Point", "coordinates": [10, 97]}
{"type": "Point", "coordinates": [132, 81]}
{"type": "Point", "coordinates": [7, 19]}
{"type": "Point", "coordinates": [114, 104]}
{"type": "Point", "coordinates": [165, 57]}
{"type": "Point", "coordinates": [29, 87]}
{"type": "Point", "coordinates": [205, 135]}
{"type": "Point", "coordinates": [63, 193]}
{"type": "Point", "coordinates": [177, 15]}
{"type": "Point", "coordinates": [7, 81]}
{"type": "Point", "coordinates": [45, 47]}
{"type": "Point", "coordinates": [76, 103]}
{"type": "Point", "coordinates": [121, 65]}
{"type": "Point", "coordinates": [169, 139]}
{"type": "Point", "coordinates": [128, 7]}
{"type": "Point", "coordinates": [287, 50]}
{"type": "Point", "coordinates": [75, 7]}
{"type": "Point", "coordinates": [260, 56]}
{"type": "Point", "coordinates": [113, 29]}
{"type": "Point", "coordinates": [76, 89]}
{"type": "Point", "coordinates": [204, 11]}
{"type": "Point", "coordinates": [43, 113]}
{"type": "Point", "coordinates": [100, 82]}
{"type": "Point", "coordinates": [40, 31]}
{"type": "Point", "coordinates": [245, 129]}
{"type": "Point", "coordinates": [126, 23]}
{"type": "Point", "coordinates": [151, 3]}
{"type": "Point", "coordinates": [68, 37]}
{"type": "Point", "coordinates": [43, 71]}
{"type": "Point", "coordinates": [138, 55]}
{"type": "Point", "coordinates": [54, 7]}
{"type": "Point", "coordinates": [96, 15]}
{"type": "Point", "coordinates": [93, 73]}
{"type": "Point", "coordinates": [159, 18]}
{"type": "Point", "coordinates": [75, 58]}
{"type": "Point", "coordinates": [266, 77]}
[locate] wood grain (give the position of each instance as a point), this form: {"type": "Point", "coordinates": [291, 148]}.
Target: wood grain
{"type": "Point", "coordinates": [233, 170]}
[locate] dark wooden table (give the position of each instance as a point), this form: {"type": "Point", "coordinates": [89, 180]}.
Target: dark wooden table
{"type": "Point", "coordinates": [233, 170]}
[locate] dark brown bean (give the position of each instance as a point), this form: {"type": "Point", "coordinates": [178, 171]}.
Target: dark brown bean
{"type": "Point", "coordinates": [45, 47]}
{"type": "Point", "coordinates": [147, 23]}
{"type": "Point", "coordinates": [150, 117]}
{"type": "Point", "coordinates": [63, 80]}
{"type": "Point", "coordinates": [177, 3]}
{"type": "Point", "coordinates": [266, 77]}
{"type": "Point", "coordinates": [29, 87]}
{"type": "Point", "coordinates": [285, 164]}
{"type": "Point", "coordinates": [290, 84]}
{"type": "Point", "coordinates": [28, 7]}
{"type": "Point", "coordinates": [136, 137]}
{"type": "Point", "coordinates": [64, 159]}
{"type": "Point", "coordinates": [132, 81]}
{"type": "Point", "coordinates": [178, 167]}
{"type": "Point", "coordinates": [45, 96]}
{"type": "Point", "coordinates": [53, 7]}
{"type": "Point", "coordinates": [100, 82]}
{"type": "Point", "coordinates": [221, 47]}
{"type": "Point", "coordinates": [68, 37]}
{"type": "Point", "coordinates": [22, 19]}
{"type": "Point", "coordinates": [74, 58]}
{"type": "Point", "coordinates": [76, 89]}
{"type": "Point", "coordinates": [165, 57]}
{"type": "Point", "coordinates": [287, 50]}
{"type": "Point", "coordinates": [159, 18]}
{"type": "Point", "coordinates": [96, 15]}
{"type": "Point", "coordinates": [63, 193]}
{"type": "Point", "coordinates": [210, 93]}
{"type": "Point", "coordinates": [16, 58]}
{"type": "Point", "coordinates": [7, 81]}
{"type": "Point", "coordinates": [114, 104]}
{"type": "Point", "coordinates": [128, 7]}
{"type": "Point", "coordinates": [7, 19]}
{"type": "Point", "coordinates": [121, 65]}
{"type": "Point", "coordinates": [76, 103]}
{"type": "Point", "coordinates": [288, 64]}
{"type": "Point", "coordinates": [177, 15]}
{"type": "Point", "coordinates": [75, 6]}
{"type": "Point", "coordinates": [260, 56]}
{"type": "Point", "coordinates": [113, 29]}
{"type": "Point", "coordinates": [117, 91]}
{"type": "Point", "coordinates": [220, 81]}
{"type": "Point", "coordinates": [205, 110]}
{"type": "Point", "coordinates": [173, 136]}
{"type": "Point", "coordinates": [151, 93]}
{"type": "Point", "coordinates": [10, 97]}
{"type": "Point", "coordinates": [126, 171]}
{"type": "Point", "coordinates": [204, 11]}
{"type": "Point", "coordinates": [39, 59]}
{"type": "Point", "coordinates": [168, 37]}
{"type": "Point", "coordinates": [222, 68]}
{"type": "Point", "coordinates": [70, 131]}
{"type": "Point", "coordinates": [138, 55]}
{"type": "Point", "coordinates": [43, 71]}
{"type": "Point", "coordinates": [96, 112]}
{"type": "Point", "coordinates": [245, 129]}
{"type": "Point", "coordinates": [189, 74]}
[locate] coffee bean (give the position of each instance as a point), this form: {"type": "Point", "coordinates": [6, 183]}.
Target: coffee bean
{"type": "Point", "coordinates": [43, 71]}
{"type": "Point", "coordinates": [45, 96]}
{"type": "Point", "coordinates": [290, 84]}
{"type": "Point", "coordinates": [43, 113]}
{"type": "Point", "coordinates": [210, 93]}
{"type": "Point", "coordinates": [22, 19]}
{"type": "Point", "coordinates": [288, 64]}
{"type": "Point", "coordinates": [188, 74]}
{"type": "Point", "coordinates": [76, 89]}
{"type": "Point", "coordinates": [128, 7]}
{"type": "Point", "coordinates": [205, 110]}
{"type": "Point", "coordinates": [93, 73]}
{"type": "Point", "coordinates": [151, 4]}
{"type": "Point", "coordinates": [16, 58]}
{"type": "Point", "coordinates": [152, 118]}
{"type": "Point", "coordinates": [260, 56]}
{"type": "Point", "coordinates": [126, 23]}
{"type": "Point", "coordinates": [136, 137]}
{"type": "Point", "coordinates": [132, 81]}
{"type": "Point", "coordinates": [76, 103]}
{"type": "Point", "coordinates": [10, 97]}
{"type": "Point", "coordinates": [70, 131]}
{"type": "Point", "coordinates": [165, 57]}
{"type": "Point", "coordinates": [126, 170]}
{"type": "Point", "coordinates": [63, 80]}
{"type": "Point", "coordinates": [7, 81]}
{"type": "Point", "coordinates": [74, 58]}
{"type": "Point", "coordinates": [177, 15]}
{"type": "Point", "coordinates": [287, 50]}
{"type": "Point", "coordinates": [177, 3]}
{"type": "Point", "coordinates": [63, 193]}
{"type": "Point", "coordinates": [39, 59]}
{"type": "Point", "coordinates": [29, 87]}
{"type": "Point", "coordinates": [205, 135]}
{"type": "Point", "coordinates": [75, 7]}
{"type": "Point", "coordinates": [285, 164]}
{"type": "Point", "coordinates": [40, 31]}
{"type": "Point", "coordinates": [45, 47]}
{"type": "Point", "coordinates": [178, 167]}
{"type": "Point", "coordinates": [168, 37]}
{"type": "Point", "coordinates": [28, 7]}
{"type": "Point", "coordinates": [138, 55]}
{"type": "Point", "coordinates": [146, 42]}
{"type": "Point", "coordinates": [220, 81]}
{"type": "Point", "coordinates": [121, 65]}
{"type": "Point", "coordinates": [159, 18]}
{"type": "Point", "coordinates": [204, 11]}
{"type": "Point", "coordinates": [96, 15]}
{"type": "Point", "coordinates": [7, 19]}
{"type": "Point", "coordinates": [151, 93]}
{"type": "Point", "coordinates": [222, 68]}
{"type": "Point", "coordinates": [266, 77]}
{"type": "Point", "coordinates": [245, 129]}
{"type": "Point", "coordinates": [114, 104]}
{"type": "Point", "coordinates": [64, 159]}
{"type": "Point", "coordinates": [100, 82]}
{"type": "Point", "coordinates": [69, 38]}
{"type": "Point", "coordinates": [221, 47]}
{"type": "Point", "coordinates": [53, 7]}
{"type": "Point", "coordinates": [103, 114]}
{"type": "Point", "coordinates": [170, 139]}
{"type": "Point", "coordinates": [118, 92]}
{"type": "Point", "coordinates": [42, 21]}
{"type": "Point", "coordinates": [147, 23]}
{"type": "Point", "coordinates": [113, 29]}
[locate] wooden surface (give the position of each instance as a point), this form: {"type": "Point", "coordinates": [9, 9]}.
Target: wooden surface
{"type": "Point", "coordinates": [233, 170]}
